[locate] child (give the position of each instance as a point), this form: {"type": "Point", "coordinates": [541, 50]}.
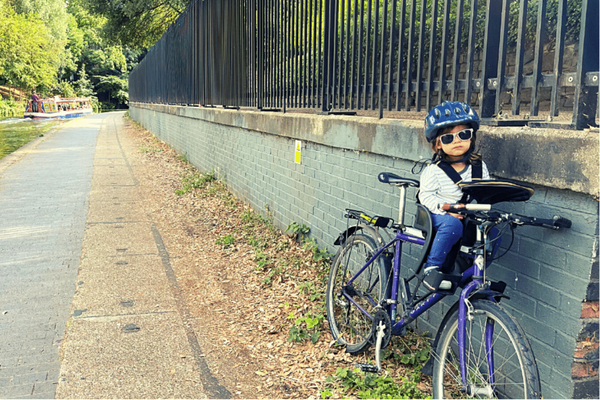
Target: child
{"type": "Point", "coordinates": [450, 128]}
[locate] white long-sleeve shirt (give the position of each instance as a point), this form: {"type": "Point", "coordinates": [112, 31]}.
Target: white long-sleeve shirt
{"type": "Point", "coordinates": [437, 188]}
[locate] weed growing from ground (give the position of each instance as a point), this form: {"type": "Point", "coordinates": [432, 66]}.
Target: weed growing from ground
{"type": "Point", "coordinates": [353, 382]}
{"type": "Point", "coordinates": [225, 241]}
{"type": "Point", "coordinates": [195, 180]}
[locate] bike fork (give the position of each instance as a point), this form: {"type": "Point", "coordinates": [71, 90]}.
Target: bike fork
{"type": "Point", "coordinates": [465, 313]}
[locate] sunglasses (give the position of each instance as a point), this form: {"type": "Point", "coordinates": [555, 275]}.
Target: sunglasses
{"type": "Point", "coordinates": [448, 138]}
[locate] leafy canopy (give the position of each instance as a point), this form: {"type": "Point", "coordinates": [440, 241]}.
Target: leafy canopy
{"type": "Point", "coordinates": [28, 52]}
{"type": "Point", "coordinates": [137, 23]}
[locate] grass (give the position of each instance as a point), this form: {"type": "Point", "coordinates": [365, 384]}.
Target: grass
{"type": "Point", "coordinates": [15, 135]}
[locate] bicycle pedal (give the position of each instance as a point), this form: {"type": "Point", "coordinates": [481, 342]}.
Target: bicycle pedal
{"type": "Point", "coordinates": [367, 368]}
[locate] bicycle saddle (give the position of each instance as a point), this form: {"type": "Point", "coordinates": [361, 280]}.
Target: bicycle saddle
{"type": "Point", "coordinates": [393, 179]}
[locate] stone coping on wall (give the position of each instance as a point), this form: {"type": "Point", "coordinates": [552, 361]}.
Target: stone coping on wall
{"type": "Point", "coordinates": [562, 159]}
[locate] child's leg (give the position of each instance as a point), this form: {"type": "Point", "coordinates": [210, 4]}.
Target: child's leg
{"type": "Point", "coordinates": [449, 231]}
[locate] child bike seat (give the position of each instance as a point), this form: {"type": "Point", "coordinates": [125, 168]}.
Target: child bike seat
{"type": "Point", "coordinates": [424, 223]}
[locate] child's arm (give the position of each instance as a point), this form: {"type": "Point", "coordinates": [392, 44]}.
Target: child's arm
{"type": "Point", "coordinates": [429, 190]}
{"type": "Point", "coordinates": [432, 194]}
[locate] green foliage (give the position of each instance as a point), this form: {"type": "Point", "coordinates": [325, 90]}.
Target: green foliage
{"type": "Point", "coordinates": [372, 386]}
{"type": "Point", "coordinates": [52, 12]}
{"type": "Point", "coordinates": [305, 327]}
{"type": "Point", "coordinates": [226, 241]}
{"type": "Point", "coordinates": [298, 231]}
{"type": "Point", "coordinates": [26, 60]}
{"type": "Point", "coordinates": [10, 107]}
{"type": "Point", "coordinates": [137, 23]}
{"type": "Point", "coordinates": [296, 228]}
{"type": "Point", "coordinates": [318, 253]}
{"type": "Point", "coordinates": [311, 290]}
{"type": "Point", "coordinates": [415, 358]}
{"type": "Point", "coordinates": [62, 50]}
{"type": "Point", "coordinates": [115, 86]}
{"type": "Point", "coordinates": [65, 89]}
{"type": "Point", "coordinates": [407, 353]}
{"type": "Point", "coordinates": [196, 180]}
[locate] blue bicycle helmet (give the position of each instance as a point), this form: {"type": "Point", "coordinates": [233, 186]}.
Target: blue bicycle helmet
{"type": "Point", "coordinates": [449, 113]}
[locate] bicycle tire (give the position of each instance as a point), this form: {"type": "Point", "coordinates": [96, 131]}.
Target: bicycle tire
{"type": "Point", "coordinates": [349, 326]}
{"type": "Point", "coordinates": [515, 369]}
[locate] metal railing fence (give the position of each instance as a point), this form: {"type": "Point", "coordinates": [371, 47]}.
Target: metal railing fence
{"type": "Point", "coordinates": [514, 60]}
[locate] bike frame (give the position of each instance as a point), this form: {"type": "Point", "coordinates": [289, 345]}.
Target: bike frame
{"type": "Point", "coordinates": [475, 274]}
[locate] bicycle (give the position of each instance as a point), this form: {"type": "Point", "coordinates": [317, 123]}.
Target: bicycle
{"type": "Point", "coordinates": [479, 350]}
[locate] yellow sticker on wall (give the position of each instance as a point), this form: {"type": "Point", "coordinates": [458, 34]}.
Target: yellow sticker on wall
{"type": "Point", "coordinates": [298, 152]}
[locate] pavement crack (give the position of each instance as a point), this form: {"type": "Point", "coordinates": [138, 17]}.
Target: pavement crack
{"type": "Point", "coordinates": [115, 317]}
{"type": "Point", "coordinates": [212, 386]}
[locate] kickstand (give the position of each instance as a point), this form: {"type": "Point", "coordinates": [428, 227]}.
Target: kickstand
{"type": "Point", "coordinates": [380, 336]}
{"type": "Point", "coordinates": [377, 368]}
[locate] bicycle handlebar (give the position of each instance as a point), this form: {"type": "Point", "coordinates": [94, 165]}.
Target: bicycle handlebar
{"type": "Point", "coordinates": [483, 212]}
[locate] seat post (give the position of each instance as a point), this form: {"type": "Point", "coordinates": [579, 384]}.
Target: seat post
{"type": "Point", "coordinates": [402, 204]}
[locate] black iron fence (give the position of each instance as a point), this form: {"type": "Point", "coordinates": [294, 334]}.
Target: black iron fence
{"type": "Point", "coordinates": [517, 61]}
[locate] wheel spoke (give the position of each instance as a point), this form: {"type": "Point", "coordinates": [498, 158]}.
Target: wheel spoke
{"type": "Point", "coordinates": [349, 306]}
{"type": "Point", "coordinates": [513, 374]}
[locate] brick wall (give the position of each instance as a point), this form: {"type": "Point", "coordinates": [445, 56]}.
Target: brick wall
{"type": "Point", "coordinates": [585, 364]}
{"type": "Point", "coordinates": [549, 274]}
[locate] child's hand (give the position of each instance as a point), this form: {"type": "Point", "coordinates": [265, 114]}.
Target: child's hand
{"type": "Point", "coordinates": [448, 206]}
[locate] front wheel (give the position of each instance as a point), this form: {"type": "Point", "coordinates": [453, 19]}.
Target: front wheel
{"type": "Point", "coordinates": [499, 360]}
{"type": "Point", "coordinates": [351, 306]}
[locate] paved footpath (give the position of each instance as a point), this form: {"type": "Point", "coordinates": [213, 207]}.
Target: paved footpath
{"type": "Point", "coordinates": [89, 305]}
{"type": "Point", "coordinates": [43, 206]}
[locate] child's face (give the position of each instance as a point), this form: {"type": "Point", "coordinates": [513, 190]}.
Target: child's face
{"type": "Point", "coordinates": [458, 147]}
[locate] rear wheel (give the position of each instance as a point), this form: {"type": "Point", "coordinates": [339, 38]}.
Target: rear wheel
{"type": "Point", "coordinates": [492, 338]}
{"type": "Point", "coordinates": [351, 307]}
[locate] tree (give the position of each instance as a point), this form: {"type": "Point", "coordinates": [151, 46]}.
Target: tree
{"type": "Point", "coordinates": [116, 87]}
{"type": "Point", "coordinates": [102, 66]}
{"type": "Point", "coordinates": [27, 60]}
{"type": "Point", "coordinates": [137, 23]}
{"type": "Point", "coordinates": [52, 12]}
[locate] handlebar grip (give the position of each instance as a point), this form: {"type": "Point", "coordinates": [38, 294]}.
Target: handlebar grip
{"type": "Point", "coordinates": [561, 222]}
{"type": "Point", "coordinates": [555, 223]}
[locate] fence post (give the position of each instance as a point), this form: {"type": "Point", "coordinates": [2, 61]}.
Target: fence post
{"type": "Point", "coordinates": [586, 97]}
{"type": "Point", "coordinates": [493, 18]}
{"type": "Point", "coordinates": [328, 53]}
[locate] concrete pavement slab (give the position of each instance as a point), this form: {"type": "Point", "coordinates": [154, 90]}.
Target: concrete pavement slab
{"type": "Point", "coordinates": [108, 212]}
{"type": "Point", "coordinates": [113, 286]}
{"type": "Point", "coordinates": [117, 239]}
{"type": "Point", "coordinates": [142, 356]}
{"type": "Point", "coordinates": [118, 193]}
